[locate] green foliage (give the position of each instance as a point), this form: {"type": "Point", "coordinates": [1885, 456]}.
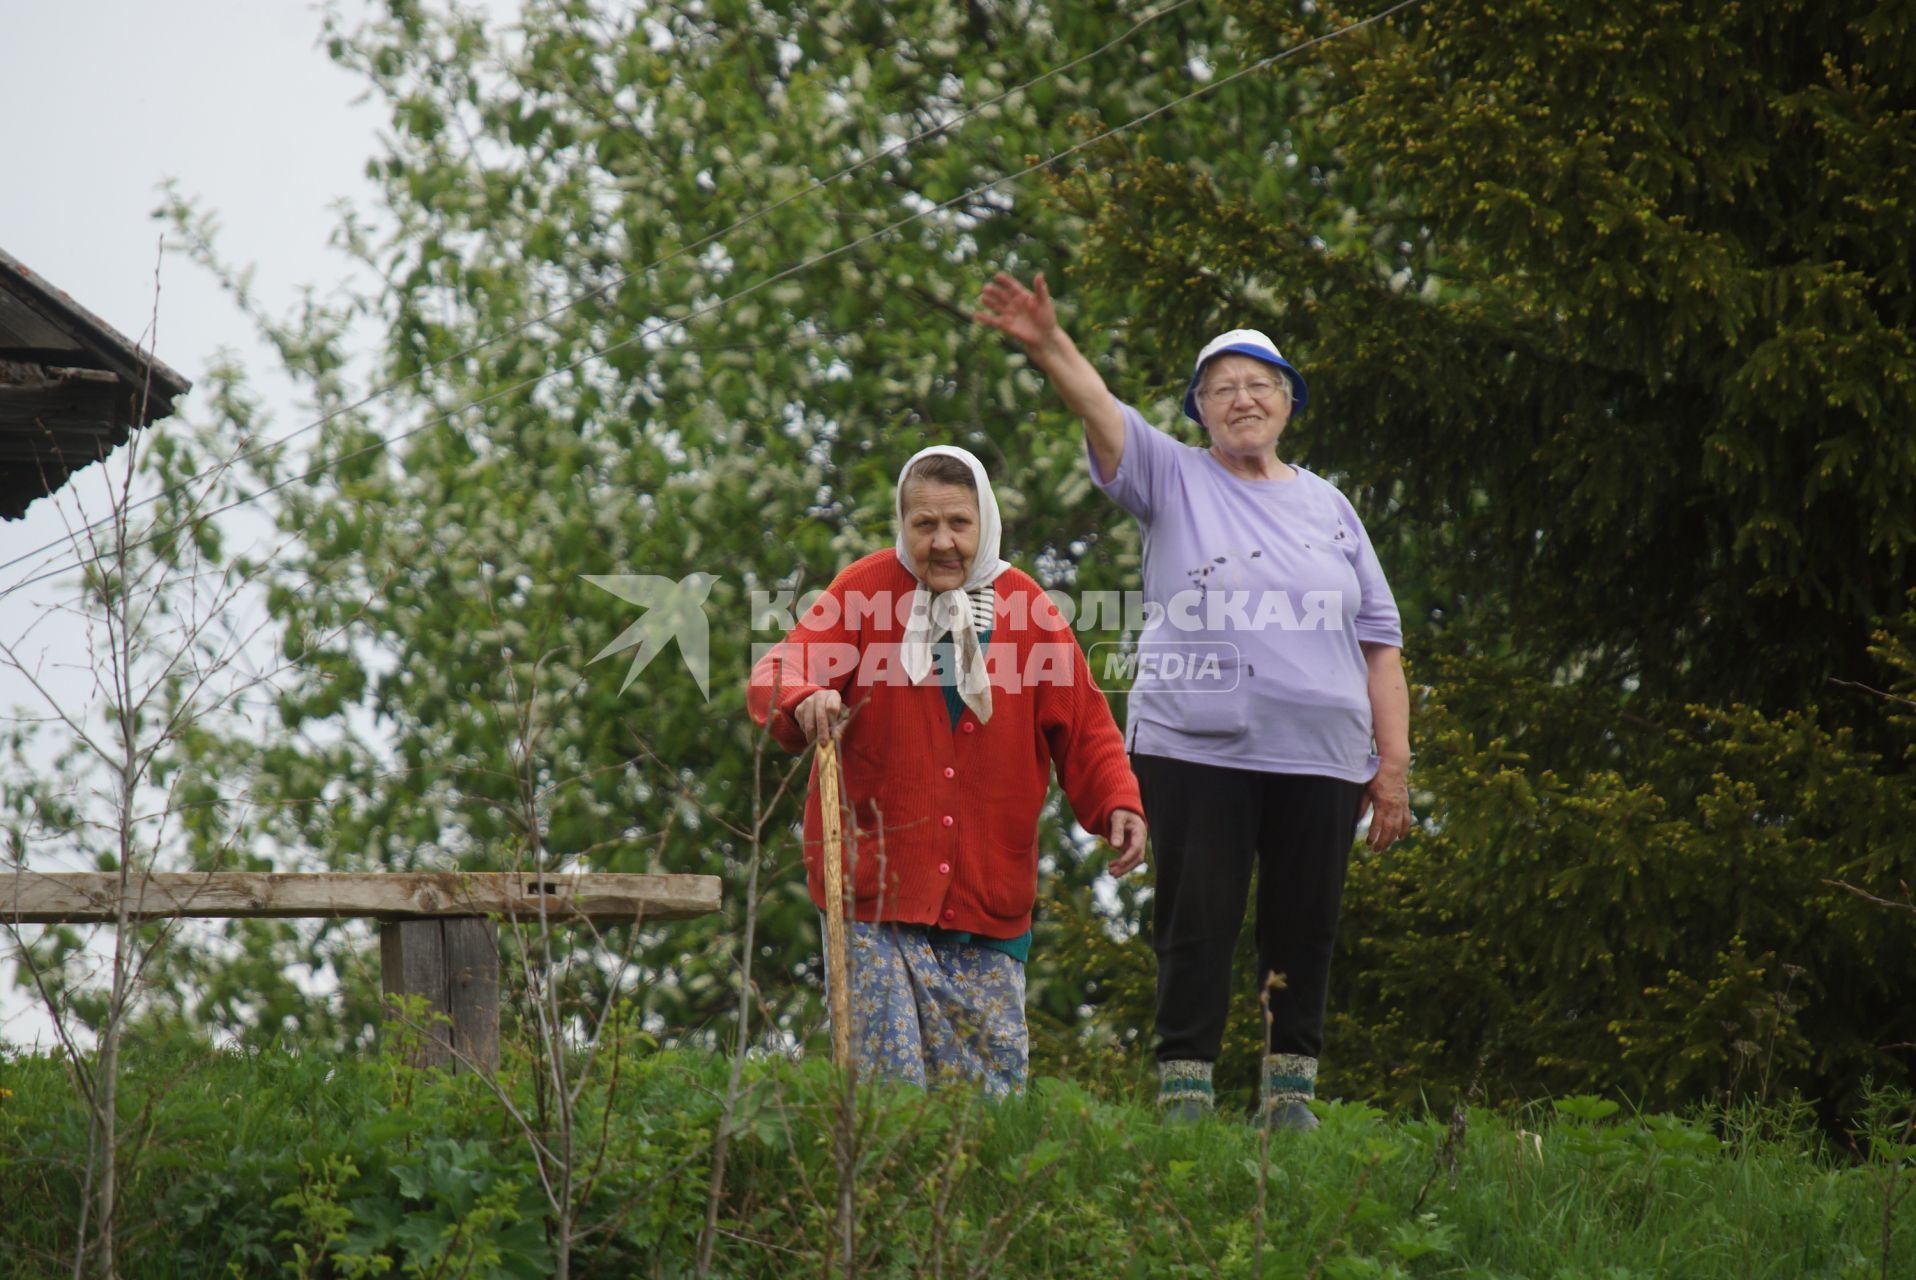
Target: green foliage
{"type": "Point", "coordinates": [1653, 910]}
{"type": "Point", "coordinates": [1606, 313]}
{"type": "Point", "coordinates": [1666, 921]}
{"type": "Point", "coordinates": [559, 203]}
{"type": "Point", "coordinates": [102, 769]}
{"type": "Point", "coordinates": [268, 1163]}
{"type": "Point", "coordinates": [1606, 310]}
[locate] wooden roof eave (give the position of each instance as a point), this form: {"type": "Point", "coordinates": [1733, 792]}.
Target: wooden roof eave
{"type": "Point", "coordinates": [99, 339]}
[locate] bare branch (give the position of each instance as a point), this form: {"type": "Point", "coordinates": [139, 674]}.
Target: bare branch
{"type": "Point", "coordinates": [1873, 692]}
{"type": "Point", "coordinates": [1907, 904]}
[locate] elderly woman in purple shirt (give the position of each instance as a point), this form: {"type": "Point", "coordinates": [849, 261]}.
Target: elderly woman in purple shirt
{"type": "Point", "coordinates": [1269, 711]}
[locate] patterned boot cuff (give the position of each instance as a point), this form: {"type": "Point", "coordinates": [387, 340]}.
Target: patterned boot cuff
{"type": "Point", "coordinates": [1183, 1081]}
{"type": "Point", "coordinates": [1289, 1077]}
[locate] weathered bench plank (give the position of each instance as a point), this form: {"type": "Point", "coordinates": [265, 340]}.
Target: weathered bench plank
{"type": "Point", "coordinates": [438, 939]}
{"type": "Point", "coordinates": [602, 897]}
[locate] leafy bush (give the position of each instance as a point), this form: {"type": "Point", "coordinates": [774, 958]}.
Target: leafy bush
{"type": "Point", "coordinates": [1658, 918]}
{"type": "Point", "coordinates": [1603, 899]}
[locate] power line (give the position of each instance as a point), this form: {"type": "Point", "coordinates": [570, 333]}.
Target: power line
{"type": "Point", "coordinates": [817, 184]}
{"type": "Point", "coordinates": [719, 303]}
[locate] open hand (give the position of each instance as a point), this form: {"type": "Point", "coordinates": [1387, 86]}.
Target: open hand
{"type": "Point", "coordinates": [1024, 314]}
{"type": "Point", "coordinates": [1127, 837]}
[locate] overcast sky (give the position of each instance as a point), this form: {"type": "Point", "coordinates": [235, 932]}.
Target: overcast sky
{"type": "Point", "coordinates": [102, 102]}
{"type": "Point", "coordinates": [233, 100]}
{"type": "Point", "coordinates": [106, 99]}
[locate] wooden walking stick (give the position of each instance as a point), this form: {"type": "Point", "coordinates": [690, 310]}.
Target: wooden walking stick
{"type": "Point", "coordinates": [837, 970]}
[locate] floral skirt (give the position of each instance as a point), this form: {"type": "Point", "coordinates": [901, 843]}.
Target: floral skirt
{"type": "Point", "coordinates": [926, 1009]}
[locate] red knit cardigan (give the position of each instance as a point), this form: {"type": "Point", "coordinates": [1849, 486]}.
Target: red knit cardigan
{"type": "Point", "coordinates": [945, 828]}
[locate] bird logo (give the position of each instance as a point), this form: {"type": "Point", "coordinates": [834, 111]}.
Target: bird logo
{"type": "Point", "coordinates": [673, 610]}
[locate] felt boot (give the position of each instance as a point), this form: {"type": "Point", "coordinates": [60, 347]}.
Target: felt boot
{"type": "Point", "coordinates": [1290, 1082]}
{"type": "Point", "coordinates": [1184, 1091]}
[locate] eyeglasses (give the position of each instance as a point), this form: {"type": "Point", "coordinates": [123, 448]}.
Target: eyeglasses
{"type": "Point", "coordinates": [1224, 393]}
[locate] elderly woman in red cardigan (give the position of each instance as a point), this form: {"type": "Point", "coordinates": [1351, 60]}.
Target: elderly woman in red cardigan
{"type": "Point", "coordinates": [956, 686]}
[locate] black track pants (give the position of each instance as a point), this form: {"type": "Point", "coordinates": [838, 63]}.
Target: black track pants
{"type": "Point", "coordinates": [1209, 827]}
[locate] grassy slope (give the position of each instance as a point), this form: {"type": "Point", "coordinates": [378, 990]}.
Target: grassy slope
{"type": "Point", "coordinates": [238, 1164]}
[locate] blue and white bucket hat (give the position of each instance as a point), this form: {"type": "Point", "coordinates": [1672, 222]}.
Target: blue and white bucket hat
{"type": "Point", "coordinates": [1243, 342]}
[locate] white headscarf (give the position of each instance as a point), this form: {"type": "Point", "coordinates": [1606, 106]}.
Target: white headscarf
{"type": "Point", "coordinates": [963, 611]}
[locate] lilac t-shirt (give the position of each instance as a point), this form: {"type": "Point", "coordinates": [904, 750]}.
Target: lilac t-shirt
{"type": "Point", "coordinates": [1259, 595]}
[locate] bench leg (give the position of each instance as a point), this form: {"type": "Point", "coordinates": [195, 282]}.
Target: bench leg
{"type": "Point", "coordinates": [454, 964]}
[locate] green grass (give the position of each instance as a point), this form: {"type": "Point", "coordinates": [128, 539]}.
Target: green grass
{"type": "Point", "coordinates": [282, 1164]}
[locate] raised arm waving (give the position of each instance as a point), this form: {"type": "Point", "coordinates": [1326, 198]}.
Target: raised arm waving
{"type": "Point", "coordinates": [1027, 316]}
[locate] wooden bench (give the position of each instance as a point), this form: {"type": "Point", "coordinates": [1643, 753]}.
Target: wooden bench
{"type": "Point", "coordinates": [438, 934]}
